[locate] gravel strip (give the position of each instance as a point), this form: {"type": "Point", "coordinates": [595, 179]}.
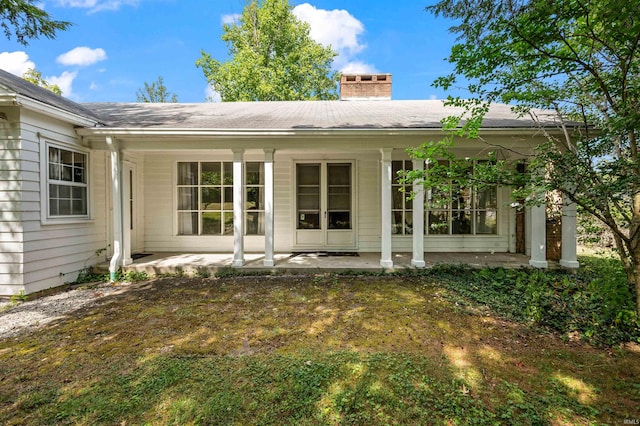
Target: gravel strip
{"type": "Point", "coordinates": [28, 316]}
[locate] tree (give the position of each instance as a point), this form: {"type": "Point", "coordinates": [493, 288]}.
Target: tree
{"type": "Point", "coordinates": [579, 58]}
{"type": "Point", "coordinates": [25, 21]}
{"type": "Point", "coordinates": [272, 58]}
{"type": "Point", "coordinates": [34, 76]}
{"type": "Point", "coordinates": [155, 92]}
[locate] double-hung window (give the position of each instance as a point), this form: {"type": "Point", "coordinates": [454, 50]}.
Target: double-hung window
{"type": "Point", "coordinates": [67, 183]}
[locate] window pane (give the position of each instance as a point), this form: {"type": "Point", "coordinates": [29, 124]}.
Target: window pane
{"type": "Point", "coordinates": [66, 157]}
{"type": "Point", "coordinates": [228, 199]}
{"type": "Point", "coordinates": [255, 173]}
{"type": "Point", "coordinates": [339, 202]}
{"type": "Point", "coordinates": [408, 222]}
{"type": "Point", "coordinates": [211, 199]}
{"type": "Point", "coordinates": [67, 173]}
{"type": "Point", "coordinates": [212, 223]}
{"type": "Point", "coordinates": [228, 173]}
{"type": "Point", "coordinates": [487, 198]}
{"type": "Point", "coordinates": [54, 171]}
{"type": "Point", "coordinates": [255, 199]}
{"type": "Point", "coordinates": [461, 222]}
{"type": "Point", "coordinates": [308, 174]}
{"type": "Point", "coordinates": [461, 199]}
{"type": "Point", "coordinates": [64, 191]}
{"type": "Point", "coordinates": [487, 222]}
{"type": "Point", "coordinates": [79, 207]}
{"type": "Point", "coordinates": [438, 222]}
{"type": "Point", "coordinates": [308, 220]}
{"type": "Point", "coordinates": [339, 174]}
{"type": "Point", "coordinates": [397, 224]}
{"type": "Point", "coordinates": [255, 223]}
{"type": "Point", "coordinates": [228, 223]}
{"type": "Point", "coordinates": [188, 223]}
{"type": "Point", "coordinates": [64, 207]}
{"type": "Point", "coordinates": [339, 220]}
{"type": "Point", "coordinates": [188, 198]}
{"type": "Point", "coordinates": [53, 207]}
{"type": "Point", "coordinates": [78, 175]}
{"type": "Point", "coordinates": [187, 173]}
{"type": "Point", "coordinates": [211, 174]}
{"type": "Point", "coordinates": [396, 166]}
{"type": "Point", "coordinates": [397, 198]}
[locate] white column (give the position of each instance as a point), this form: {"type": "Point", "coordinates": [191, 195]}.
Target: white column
{"type": "Point", "coordinates": [385, 205]}
{"type": "Point", "coordinates": [126, 216]}
{"type": "Point", "coordinates": [116, 192]}
{"type": "Point", "coordinates": [238, 208]}
{"type": "Point", "coordinates": [538, 237]}
{"type": "Point", "coordinates": [268, 208]}
{"type": "Point", "coordinates": [569, 258]}
{"type": "Point", "coordinates": [418, 219]}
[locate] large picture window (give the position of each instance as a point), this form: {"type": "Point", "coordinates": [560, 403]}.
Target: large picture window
{"type": "Point", "coordinates": [67, 173]}
{"type": "Point", "coordinates": [205, 198]}
{"type": "Point", "coordinates": [461, 210]}
{"type": "Point", "coordinates": [402, 208]}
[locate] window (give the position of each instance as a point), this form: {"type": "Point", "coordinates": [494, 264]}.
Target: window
{"type": "Point", "coordinates": [402, 209]}
{"type": "Point", "coordinates": [462, 211]}
{"type": "Point", "coordinates": [67, 176]}
{"type": "Point", "coordinates": [205, 198]}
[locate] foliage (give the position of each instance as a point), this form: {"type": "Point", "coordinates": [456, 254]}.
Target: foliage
{"type": "Point", "coordinates": [570, 63]}
{"type": "Point", "coordinates": [88, 275]}
{"type": "Point", "coordinates": [26, 20]}
{"type": "Point", "coordinates": [596, 302]}
{"type": "Point", "coordinates": [273, 58]}
{"type": "Point", "coordinates": [34, 76]}
{"type": "Point", "coordinates": [18, 298]}
{"type": "Point", "coordinates": [155, 92]}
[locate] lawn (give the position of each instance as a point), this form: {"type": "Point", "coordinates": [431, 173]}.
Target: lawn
{"type": "Point", "coordinates": [311, 350]}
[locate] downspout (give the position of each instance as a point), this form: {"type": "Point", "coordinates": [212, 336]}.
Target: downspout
{"type": "Point", "coordinates": [116, 192]}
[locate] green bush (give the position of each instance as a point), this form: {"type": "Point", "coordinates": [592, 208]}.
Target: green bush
{"type": "Point", "coordinates": [596, 302]}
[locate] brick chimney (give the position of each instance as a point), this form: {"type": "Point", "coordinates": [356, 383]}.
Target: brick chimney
{"type": "Point", "coordinates": [367, 87]}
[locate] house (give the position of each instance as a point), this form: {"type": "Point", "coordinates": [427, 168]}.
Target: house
{"type": "Point", "coordinates": [77, 180]}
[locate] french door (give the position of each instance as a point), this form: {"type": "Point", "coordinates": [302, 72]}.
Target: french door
{"type": "Point", "coordinates": [324, 206]}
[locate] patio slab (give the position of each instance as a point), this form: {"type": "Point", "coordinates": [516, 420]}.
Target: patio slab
{"type": "Point", "coordinates": [300, 263]}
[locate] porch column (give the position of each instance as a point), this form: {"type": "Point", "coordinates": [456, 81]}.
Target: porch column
{"type": "Point", "coordinates": [268, 208]}
{"type": "Point", "coordinates": [418, 219]}
{"type": "Point", "coordinates": [238, 209]}
{"type": "Point", "coordinates": [385, 205]}
{"type": "Point", "coordinates": [116, 192]}
{"type": "Point", "coordinates": [569, 258]}
{"type": "Point", "coordinates": [126, 216]}
{"type": "Point", "coordinates": [538, 237]}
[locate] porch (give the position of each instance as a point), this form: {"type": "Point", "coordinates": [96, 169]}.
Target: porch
{"type": "Point", "coordinates": [305, 263]}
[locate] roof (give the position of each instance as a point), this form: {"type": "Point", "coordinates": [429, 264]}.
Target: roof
{"type": "Point", "coordinates": [19, 86]}
{"type": "Point", "coordinates": [295, 115]}
{"type": "Point", "coordinates": [264, 116]}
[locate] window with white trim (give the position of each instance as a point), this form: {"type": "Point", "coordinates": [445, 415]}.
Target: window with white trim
{"type": "Point", "coordinates": [462, 210]}
{"type": "Point", "coordinates": [67, 183]}
{"type": "Point", "coordinates": [402, 207]}
{"type": "Point", "coordinates": [205, 198]}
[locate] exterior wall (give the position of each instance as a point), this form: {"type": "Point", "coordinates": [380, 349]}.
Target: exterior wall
{"type": "Point", "coordinates": [160, 207]}
{"type": "Point", "coordinates": [54, 253]}
{"type": "Point", "coordinates": [11, 198]}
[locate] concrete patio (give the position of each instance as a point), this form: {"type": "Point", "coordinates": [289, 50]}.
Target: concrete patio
{"type": "Point", "coordinates": [301, 263]}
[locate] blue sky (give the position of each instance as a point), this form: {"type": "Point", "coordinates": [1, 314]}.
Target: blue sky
{"type": "Point", "coordinates": [115, 46]}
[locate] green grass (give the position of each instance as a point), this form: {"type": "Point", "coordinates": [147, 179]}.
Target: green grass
{"type": "Point", "coordinates": [328, 349]}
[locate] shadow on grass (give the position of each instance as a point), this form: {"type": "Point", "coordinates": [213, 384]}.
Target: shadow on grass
{"type": "Point", "coordinates": [302, 351]}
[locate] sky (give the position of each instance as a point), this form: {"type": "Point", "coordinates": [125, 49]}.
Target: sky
{"type": "Point", "coordinates": [115, 46]}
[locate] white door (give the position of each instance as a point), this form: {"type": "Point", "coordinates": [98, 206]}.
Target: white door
{"type": "Point", "coordinates": [324, 206]}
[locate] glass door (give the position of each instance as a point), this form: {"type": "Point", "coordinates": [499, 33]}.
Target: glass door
{"type": "Point", "coordinates": [324, 205]}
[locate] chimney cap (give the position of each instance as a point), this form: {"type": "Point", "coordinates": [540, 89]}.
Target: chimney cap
{"type": "Point", "coordinates": [365, 86]}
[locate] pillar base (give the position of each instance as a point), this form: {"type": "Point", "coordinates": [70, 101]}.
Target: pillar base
{"type": "Point", "coordinates": [418, 263]}
{"type": "Point", "coordinates": [386, 263]}
{"type": "Point", "coordinates": [542, 264]}
{"type": "Point", "coordinates": [572, 264]}
{"type": "Point", "coordinates": [269, 263]}
{"type": "Point", "coordinates": [237, 263]}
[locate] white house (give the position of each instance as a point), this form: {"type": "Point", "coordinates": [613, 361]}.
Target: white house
{"type": "Point", "coordinates": [260, 177]}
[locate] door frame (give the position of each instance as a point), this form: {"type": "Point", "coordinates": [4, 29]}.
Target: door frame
{"type": "Point", "coordinates": [349, 242]}
{"type": "Point", "coordinates": [130, 207]}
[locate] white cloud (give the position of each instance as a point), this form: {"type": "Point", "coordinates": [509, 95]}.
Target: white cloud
{"type": "Point", "coordinates": [64, 82]}
{"type": "Point", "coordinates": [211, 95]}
{"type": "Point", "coordinates": [338, 29]}
{"type": "Point", "coordinates": [230, 19]}
{"type": "Point", "coordinates": [16, 62]}
{"type": "Point", "coordinates": [358, 67]}
{"type": "Point", "coordinates": [82, 56]}
{"type": "Point", "coordinates": [97, 5]}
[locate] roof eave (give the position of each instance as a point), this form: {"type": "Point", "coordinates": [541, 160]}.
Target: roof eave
{"type": "Point", "coordinates": [15, 99]}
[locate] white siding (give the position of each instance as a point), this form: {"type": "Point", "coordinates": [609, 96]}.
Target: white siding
{"type": "Point", "coordinates": [55, 253]}
{"type": "Point", "coordinates": [11, 185]}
